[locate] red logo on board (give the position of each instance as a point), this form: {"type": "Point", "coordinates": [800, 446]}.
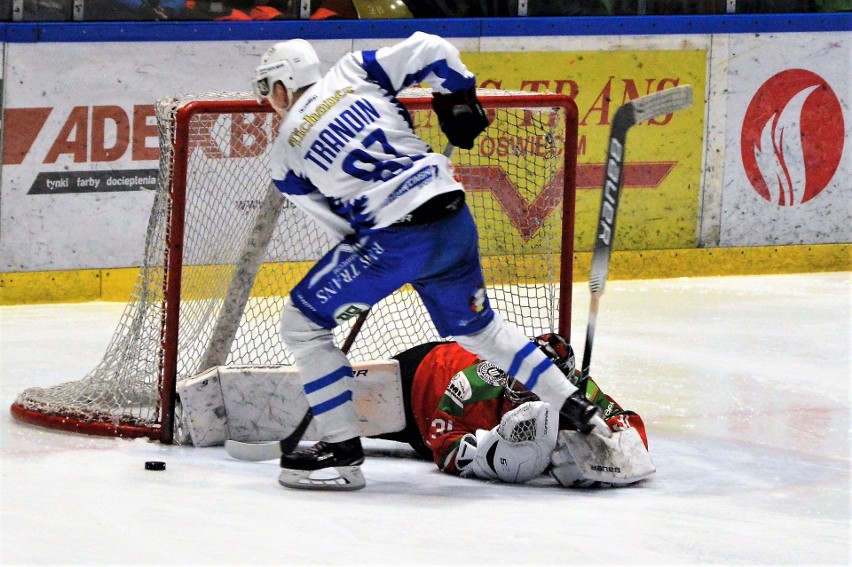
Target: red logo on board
{"type": "Point", "coordinates": [792, 137]}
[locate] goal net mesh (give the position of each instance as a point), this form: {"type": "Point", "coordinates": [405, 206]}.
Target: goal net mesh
{"type": "Point", "coordinates": [223, 249]}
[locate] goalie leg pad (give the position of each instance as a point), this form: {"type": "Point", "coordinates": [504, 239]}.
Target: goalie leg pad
{"type": "Point", "coordinates": [619, 459]}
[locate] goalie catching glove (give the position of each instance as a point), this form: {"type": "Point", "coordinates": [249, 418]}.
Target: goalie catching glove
{"type": "Point", "coordinates": [516, 450]}
{"type": "Point", "coordinates": [461, 116]}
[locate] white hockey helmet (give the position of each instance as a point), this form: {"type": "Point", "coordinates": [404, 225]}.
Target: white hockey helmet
{"type": "Point", "coordinates": [293, 62]}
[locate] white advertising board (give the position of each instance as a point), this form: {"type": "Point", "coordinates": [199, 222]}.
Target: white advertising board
{"type": "Point", "coordinates": [83, 152]}
{"type": "Point", "coordinates": [81, 142]}
{"type": "Point", "coordinates": [787, 157]}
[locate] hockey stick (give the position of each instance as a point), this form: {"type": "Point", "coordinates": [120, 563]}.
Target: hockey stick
{"type": "Point", "coordinates": [628, 115]}
{"type": "Point", "coordinates": [274, 449]}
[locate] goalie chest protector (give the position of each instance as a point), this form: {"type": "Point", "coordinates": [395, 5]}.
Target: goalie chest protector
{"type": "Point", "coordinates": [254, 404]}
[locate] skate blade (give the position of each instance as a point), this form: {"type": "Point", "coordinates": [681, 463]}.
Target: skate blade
{"type": "Point", "coordinates": [332, 479]}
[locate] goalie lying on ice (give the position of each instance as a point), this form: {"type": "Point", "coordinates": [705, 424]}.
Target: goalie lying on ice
{"type": "Point", "coordinates": [475, 421]}
{"type": "Point", "coordinates": [465, 414]}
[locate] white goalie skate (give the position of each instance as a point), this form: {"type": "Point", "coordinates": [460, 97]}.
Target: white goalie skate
{"type": "Point", "coordinates": [324, 466]}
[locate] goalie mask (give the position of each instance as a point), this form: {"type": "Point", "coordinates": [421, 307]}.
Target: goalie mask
{"type": "Point", "coordinates": [294, 63]}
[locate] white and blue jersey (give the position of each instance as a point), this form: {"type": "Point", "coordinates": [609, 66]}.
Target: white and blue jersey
{"type": "Point", "coordinates": [346, 152]}
{"type": "Point", "coordinates": [348, 156]}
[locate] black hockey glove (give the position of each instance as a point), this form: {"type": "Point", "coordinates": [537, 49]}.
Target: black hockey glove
{"type": "Point", "coordinates": [576, 413]}
{"type": "Point", "coordinates": [461, 116]}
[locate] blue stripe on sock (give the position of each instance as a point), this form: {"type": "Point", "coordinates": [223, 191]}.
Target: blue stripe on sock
{"type": "Point", "coordinates": [334, 402]}
{"type": "Point", "coordinates": [327, 380]}
{"type": "Point", "coordinates": [537, 371]}
{"type": "Point", "coordinates": [519, 358]}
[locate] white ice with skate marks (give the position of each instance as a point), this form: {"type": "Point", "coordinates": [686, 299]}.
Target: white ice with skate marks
{"type": "Point", "coordinates": [743, 383]}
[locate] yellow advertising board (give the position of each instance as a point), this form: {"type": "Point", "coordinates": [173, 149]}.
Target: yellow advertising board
{"type": "Point", "coordinates": [659, 206]}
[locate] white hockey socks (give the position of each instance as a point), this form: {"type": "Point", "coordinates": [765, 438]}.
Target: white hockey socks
{"type": "Point", "coordinates": [325, 373]}
{"type": "Point", "coordinates": [504, 345]}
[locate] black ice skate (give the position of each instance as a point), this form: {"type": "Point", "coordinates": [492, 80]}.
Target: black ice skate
{"type": "Point", "coordinates": [337, 463]}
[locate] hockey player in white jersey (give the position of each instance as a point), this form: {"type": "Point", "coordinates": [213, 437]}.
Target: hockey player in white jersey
{"type": "Point", "coordinates": [347, 154]}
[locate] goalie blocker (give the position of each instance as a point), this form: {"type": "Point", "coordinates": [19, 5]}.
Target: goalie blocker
{"type": "Point", "coordinates": [464, 414]}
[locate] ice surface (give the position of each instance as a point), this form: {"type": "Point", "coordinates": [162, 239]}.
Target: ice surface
{"type": "Point", "coordinates": [743, 382]}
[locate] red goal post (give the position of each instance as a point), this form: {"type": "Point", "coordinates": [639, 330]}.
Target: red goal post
{"type": "Point", "coordinates": [223, 248]}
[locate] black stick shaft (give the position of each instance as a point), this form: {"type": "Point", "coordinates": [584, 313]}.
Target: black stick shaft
{"type": "Point", "coordinates": [611, 191]}
{"type": "Point", "coordinates": [639, 110]}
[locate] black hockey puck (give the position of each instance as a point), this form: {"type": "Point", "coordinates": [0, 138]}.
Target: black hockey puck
{"type": "Point", "coordinates": [155, 466]}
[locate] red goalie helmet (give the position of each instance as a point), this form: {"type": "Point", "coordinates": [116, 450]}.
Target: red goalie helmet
{"type": "Point", "coordinates": [557, 349]}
